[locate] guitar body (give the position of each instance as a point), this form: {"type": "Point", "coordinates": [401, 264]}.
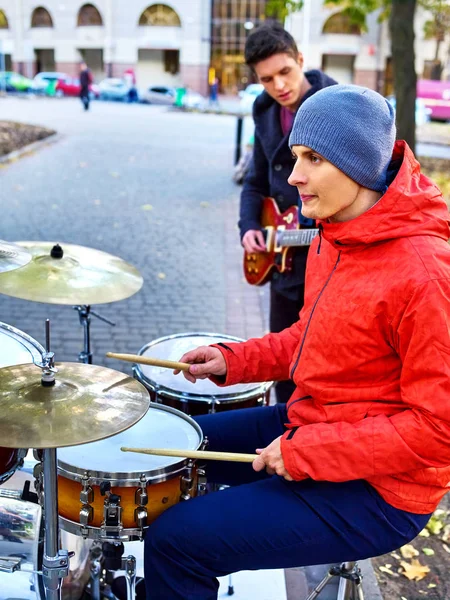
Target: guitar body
{"type": "Point", "coordinates": [259, 266]}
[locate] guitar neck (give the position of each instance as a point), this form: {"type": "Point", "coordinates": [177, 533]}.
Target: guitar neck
{"type": "Point", "coordinates": [296, 237]}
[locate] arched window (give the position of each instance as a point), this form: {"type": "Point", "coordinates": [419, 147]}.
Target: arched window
{"type": "Point", "coordinates": [89, 16]}
{"type": "Point", "coordinates": [341, 23]}
{"type": "Point", "coordinates": [3, 20]}
{"type": "Point", "coordinates": [161, 15]}
{"type": "Point", "coordinates": [41, 18]}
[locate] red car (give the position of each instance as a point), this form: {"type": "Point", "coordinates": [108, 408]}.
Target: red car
{"type": "Point", "coordinates": [70, 86]}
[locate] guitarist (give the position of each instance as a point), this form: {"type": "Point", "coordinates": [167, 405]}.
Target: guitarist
{"type": "Point", "coordinates": [272, 54]}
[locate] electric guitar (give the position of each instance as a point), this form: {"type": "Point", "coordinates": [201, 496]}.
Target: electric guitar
{"type": "Point", "coordinates": [282, 232]}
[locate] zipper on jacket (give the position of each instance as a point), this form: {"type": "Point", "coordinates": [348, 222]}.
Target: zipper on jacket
{"type": "Point", "coordinates": [289, 404]}
{"type": "Point", "coordinates": [312, 312]}
{"type": "Point", "coordinates": [320, 238]}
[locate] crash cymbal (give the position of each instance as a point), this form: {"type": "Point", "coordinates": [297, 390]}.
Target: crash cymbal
{"type": "Point", "coordinates": [80, 276]}
{"type": "Point", "coordinates": [86, 404]}
{"type": "Point", "coordinates": [12, 256]}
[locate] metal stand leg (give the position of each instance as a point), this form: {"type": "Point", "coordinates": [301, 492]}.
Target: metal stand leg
{"type": "Point", "coordinates": [230, 585]}
{"type": "Point", "coordinates": [96, 569]}
{"type": "Point", "coordinates": [350, 587]}
{"type": "Point", "coordinates": [84, 313]}
{"type": "Point", "coordinates": [129, 564]}
{"type": "Point", "coordinates": [55, 562]}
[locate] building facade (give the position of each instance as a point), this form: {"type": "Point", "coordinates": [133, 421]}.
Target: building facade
{"type": "Point", "coordinates": [165, 44]}
{"type": "Point", "coordinates": [187, 43]}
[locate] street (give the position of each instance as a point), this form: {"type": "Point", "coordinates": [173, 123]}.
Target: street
{"type": "Point", "coordinates": [147, 184]}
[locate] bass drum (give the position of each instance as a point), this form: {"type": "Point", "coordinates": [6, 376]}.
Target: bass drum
{"type": "Point", "coordinates": [21, 537]}
{"type": "Point", "coordinates": [16, 348]}
{"type": "Point", "coordinates": [205, 396]}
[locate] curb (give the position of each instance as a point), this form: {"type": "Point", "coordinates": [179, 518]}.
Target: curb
{"type": "Point", "coordinates": [30, 148]}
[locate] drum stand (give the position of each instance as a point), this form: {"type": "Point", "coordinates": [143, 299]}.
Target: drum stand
{"type": "Point", "coordinates": [84, 313]}
{"type": "Point", "coordinates": [350, 587]}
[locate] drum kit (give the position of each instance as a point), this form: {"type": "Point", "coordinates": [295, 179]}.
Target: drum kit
{"type": "Point", "coordinates": [62, 427]}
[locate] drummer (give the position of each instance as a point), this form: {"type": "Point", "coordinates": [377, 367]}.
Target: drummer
{"type": "Point", "coordinates": [356, 462]}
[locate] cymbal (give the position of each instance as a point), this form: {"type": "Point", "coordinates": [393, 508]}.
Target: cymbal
{"type": "Point", "coordinates": [12, 256]}
{"type": "Point", "coordinates": [86, 404]}
{"type": "Point", "coordinates": [81, 276]}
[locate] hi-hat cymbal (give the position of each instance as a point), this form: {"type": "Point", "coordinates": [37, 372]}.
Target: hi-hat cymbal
{"type": "Point", "coordinates": [81, 276]}
{"type": "Point", "coordinates": [12, 256]}
{"type": "Point", "coordinates": [86, 404]}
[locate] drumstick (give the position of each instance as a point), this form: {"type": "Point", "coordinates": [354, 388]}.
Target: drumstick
{"type": "Point", "coordinates": [154, 362]}
{"type": "Point", "coordinates": [202, 454]}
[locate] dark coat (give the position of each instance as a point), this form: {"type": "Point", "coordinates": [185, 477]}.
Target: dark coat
{"type": "Point", "coordinates": [271, 166]}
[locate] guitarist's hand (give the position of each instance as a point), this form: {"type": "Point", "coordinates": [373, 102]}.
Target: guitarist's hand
{"type": "Point", "coordinates": [205, 361]}
{"type": "Point", "coordinates": [253, 241]}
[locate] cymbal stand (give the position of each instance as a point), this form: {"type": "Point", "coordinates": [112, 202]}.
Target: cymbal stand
{"type": "Point", "coordinates": [84, 313]}
{"type": "Point", "coordinates": [350, 587]}
{"type": "Point", "coordinates": [55, 564]}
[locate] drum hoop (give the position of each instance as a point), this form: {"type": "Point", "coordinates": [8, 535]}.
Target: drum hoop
{"type": "Point", "coordinates": [132, 479]}
{"type": "Point", "coordinates": [24, 336]}
{"type": "Point", "coordinates": [94, 533]}
{"type": "Point", "coordinates": [259, 390]}
{"type": "Point", "coordinates": [21, 453]}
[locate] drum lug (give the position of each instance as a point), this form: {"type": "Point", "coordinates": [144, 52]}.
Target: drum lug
{"type": "Point", "coordinates": [141, 499]}
{"type": "Point", "coordinates": [140, 516]}
{"type": "Point", "coordinates": [87, 493]}
{"type": "Point", "coordinates": [187, 482]}
{"type": "Point", "coordinates": [201, 482]}
{"type": "Point", "coordinates": [86, 514]}
{"type": "Point", "coordinates": [112, 511]}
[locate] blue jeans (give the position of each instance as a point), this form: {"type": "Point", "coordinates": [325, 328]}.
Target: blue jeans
{"type": "Point", "coordinates": [264, 522]}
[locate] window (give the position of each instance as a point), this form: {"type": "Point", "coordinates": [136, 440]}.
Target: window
{"type": "Point", "coordinates": [160, 15]}
{"type": "Point", "coordinates": [89, 16]}
{"type": "Point", "coordinates": [3, 20]}
{"type": "Point", "coordinates": [340, 23]}
{"type": "Point", "coordinates": [171, 61]}
{"type": "Point", "coordinates": [41, 18]}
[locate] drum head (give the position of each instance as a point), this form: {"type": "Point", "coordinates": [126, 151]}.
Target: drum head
{"type": "Point", "coordinates": [172, 348]}
{"type": "Point", "coordinates": [161, 427]}
{"type": "Point", "coordinates": [17, 348]}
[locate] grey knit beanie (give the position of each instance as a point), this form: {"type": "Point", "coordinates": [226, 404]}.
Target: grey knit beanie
{"type": "Point", "coordinates": [353, 128]}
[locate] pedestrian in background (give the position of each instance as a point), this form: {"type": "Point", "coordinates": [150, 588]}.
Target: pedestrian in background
{"type": "Point", "coordinates": [214, 93]}
{"type": "Point", "coordinates": [85, 82]}
{"type": "Point", "coordinates": [272, 54]}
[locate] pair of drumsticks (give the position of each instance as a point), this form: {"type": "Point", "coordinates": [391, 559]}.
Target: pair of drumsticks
{"type": "Point", "coordinates": [196, 454]}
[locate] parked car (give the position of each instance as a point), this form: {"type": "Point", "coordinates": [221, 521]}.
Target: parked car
{"type": "Point", "coordinates": [422, 112]}
{"type": "Point", "coordinates": [70, 86]}
{"type": "Point", "coordinates": [42, 80]}
{"type": "Point", "coordinates": [14, 82]}
{"type": "Point", "coordinates": [158, 95]}
{"type": "Point", "coordinates": [436, 97]}
{"type": "Point", "coordinates": [249, 95]}
{"type": "Point", "coordinates": [113, 88]}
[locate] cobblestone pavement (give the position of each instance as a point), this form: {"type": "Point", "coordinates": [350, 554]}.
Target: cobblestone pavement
{"type": "Point", "coordinates": [150, 185]}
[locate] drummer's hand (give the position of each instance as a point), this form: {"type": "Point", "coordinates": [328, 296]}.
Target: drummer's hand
{"type": "Point", "coordinates": [253, 241]}
{"type": "Point", "coordinates": [205, 361]}
{"type": "Point", "coordinates": [271, 459]}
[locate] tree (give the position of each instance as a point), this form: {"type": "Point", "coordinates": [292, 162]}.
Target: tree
{"type": "Point", "coordinates": [401, 25]}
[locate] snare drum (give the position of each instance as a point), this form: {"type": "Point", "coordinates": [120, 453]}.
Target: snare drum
{"type": "Point", "coordinates": [203, 397]}
{"type": "Point", "coordinates": [104, 493]}
{"type": "Point", "coordinates": [16, 348]}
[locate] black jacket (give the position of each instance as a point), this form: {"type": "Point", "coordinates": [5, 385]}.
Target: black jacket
{"type": "Point", "coordinates": [271, 166]}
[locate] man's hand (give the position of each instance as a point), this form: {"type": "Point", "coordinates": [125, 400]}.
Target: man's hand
{"type": "Point", "coordinates": [270, 458]}
{"type": "Point", "coordinates": [253, 241]}
{"type": "Point", "coordinates": [205, 361]}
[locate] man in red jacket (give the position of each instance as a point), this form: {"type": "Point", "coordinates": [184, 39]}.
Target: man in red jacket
{"type": "Point", "coordinates": [360, 457]}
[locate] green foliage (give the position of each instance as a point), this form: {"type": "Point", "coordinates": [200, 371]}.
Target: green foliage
{"type": "Point", "coordinates": [439, 25]}
{"type": "Point", "coordinates": [280, 9]}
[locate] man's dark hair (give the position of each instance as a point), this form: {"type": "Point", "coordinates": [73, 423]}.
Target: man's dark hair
{"type": "Point", "coordinates": [267, 40]}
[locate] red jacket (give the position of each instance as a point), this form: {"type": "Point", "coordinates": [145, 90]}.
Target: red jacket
{"type": "Point", "coordinates": [370, 354]}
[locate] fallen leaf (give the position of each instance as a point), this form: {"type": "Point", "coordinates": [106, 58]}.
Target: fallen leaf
{"type": "Point", "coordinates": [204, 204]}
{"type": "Point", "coordinates": [408, 551]}
{"type": "Point", "coordinates": [146, 207]}
{"type": "Point", "coordinates": [432, 585]}
{"type": "Point", "coordinates": [436, 523]}
{"type": "Point", "coordinates": [446, 534]}
{"type": "Point", "coordinates": [446, 548]}
{"type": "Point", "coordinates": [161, 275]}
{"type": "Point", "coordinates": [403, 598]}
{"type": "Point", "coordinates": [424, 533]}
{"type": "Point", "coordinates": [428, 551]}
{"type": "Point", "coordinates": [414, 571]}
{"type": "Point", "coordinates": [395, 555]}
{"type": "Point", "coordinates": [386, 569]}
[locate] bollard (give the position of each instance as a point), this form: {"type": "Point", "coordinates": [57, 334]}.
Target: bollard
{"type": "Point", "coordinates": [237, 154]}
